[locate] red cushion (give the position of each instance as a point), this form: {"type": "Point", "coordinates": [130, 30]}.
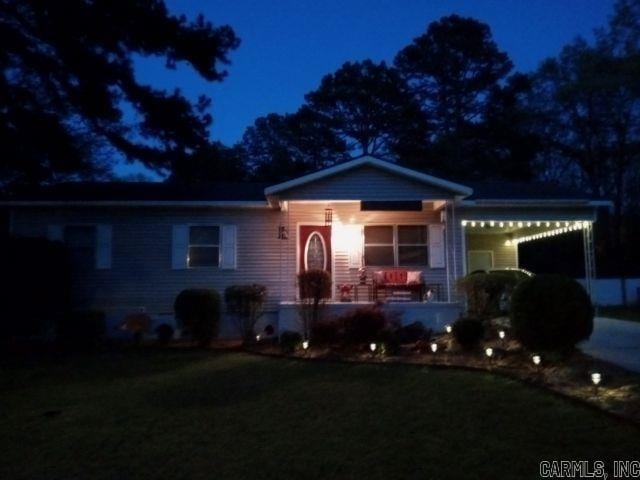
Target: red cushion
{"type": "Point", "coordinates": [398, 277]}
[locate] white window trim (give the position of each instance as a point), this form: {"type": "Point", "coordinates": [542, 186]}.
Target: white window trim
{"type": "Point", "coordinates": [469, 252]}
{"type": "Point", "coordinates": [206, 245]}
{"type": "Point", "coordinates": [395, 245]}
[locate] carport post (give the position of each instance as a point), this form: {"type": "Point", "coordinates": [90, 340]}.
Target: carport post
{"type": "Point", "coordinates": [589, 259]}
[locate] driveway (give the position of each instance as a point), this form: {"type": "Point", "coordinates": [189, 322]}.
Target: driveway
{"type": "Point", "coordinates": [617, 341]}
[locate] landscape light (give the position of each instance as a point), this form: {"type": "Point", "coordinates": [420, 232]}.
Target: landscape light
{"type": "Point", "coordinates": [596, 378]}
{"type": "Point", "coordinates": [489, 352]}
{"type": "Point", "coordinates": [305, 344]}
{"type": "Point", "coordinates": [258, 338]}
{"type": "Point", "coordinates": [448, 328]}
{"type": "Point", "coordinates": [373, 347]}
{"type": "Point", "coordinates": [434, 347]}
{"type": "Point", "coordinates": [536, 360]}
{"type": "Point", "coordinates": [501, 334]}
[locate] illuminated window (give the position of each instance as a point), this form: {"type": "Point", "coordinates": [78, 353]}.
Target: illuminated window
{"type": "Point", "coordinates": [204, 246]}
{"type": "Point", "coordinates": [399, 245]}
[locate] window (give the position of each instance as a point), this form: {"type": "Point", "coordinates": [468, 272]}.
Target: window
{"type": "Point", "coordinates": [81, 242]}
{"type": "Point", "coordinates": [412, 245]}
{"type": "Point", "coordinates": [378, 245]}
{"type": "Point", "coordinates": [401, 245]}
{"type": "Point", "coordinates": [204, 246]}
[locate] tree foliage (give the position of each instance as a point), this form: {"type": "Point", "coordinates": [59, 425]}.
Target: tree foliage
{"type": "Point", "coordinates": [368, 105]}
{"type": "Point", "coordinates": [68, 88]}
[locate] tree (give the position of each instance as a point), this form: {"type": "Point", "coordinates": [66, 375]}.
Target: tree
{"type": "Point", "coordinates": [587, 106]}
{"type": "Point", "coordinates": [367, 105]}
{"type": "Point", "coordinates": [278, 147]}
{"type": "Point", "coordinates": [213, 163]}
{"type": "Point", "coordinates": [452, 69]}
{"type": "Point", "coordinates": [68, 88]}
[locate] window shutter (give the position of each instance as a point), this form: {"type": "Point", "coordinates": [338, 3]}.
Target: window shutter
{"type": "Point", "coordinates": [355, 252]}
{"type": "Point", "coordinates": [228, 253]}
{"type": "Point", "coordinates": [55, 233]}
{"type": "Point", "coordinates": [103, 247]}
{"type": "Point", "coordinates": [436, 246]}
{"type": "Point", "coordinates": [179, 247]}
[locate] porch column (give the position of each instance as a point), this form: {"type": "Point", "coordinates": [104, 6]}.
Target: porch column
{"type": "Point", "coordinates": [589, 258]}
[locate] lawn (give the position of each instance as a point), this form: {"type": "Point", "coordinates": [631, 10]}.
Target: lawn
{"type": "Point", "coordinates": [179, 414]}
{"type": "Point", "coordinates": [622, 313]}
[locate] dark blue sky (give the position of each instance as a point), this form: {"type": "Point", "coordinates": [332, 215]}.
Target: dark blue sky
{"type": "Point", "coordinates": [288, 45]}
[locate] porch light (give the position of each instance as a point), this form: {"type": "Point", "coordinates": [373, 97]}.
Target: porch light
{"type": "Point", "coordinates": [434, 347]}
{"type": "Point", "coordinates": [305, 344]}
{"type": "Point", "coordinates": [536, 360]}
{"type": "Point", "coordinates": [258, 338]}
{"type": "Point", "coordinates": [373, 347]}
{"type": "Point", "coordinates": [328, 217]}
{"type": "Point", "coordinates": [448, 328]}
{"type": "Point", "coordinates": [596, 378]}
{"type": "Point", "coordinates": [489, 352]}
{"type": "Point", "coordinates": [501, 334]}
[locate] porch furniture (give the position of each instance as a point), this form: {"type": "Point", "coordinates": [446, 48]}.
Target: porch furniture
{"type": "Point", "coordinates": [398, 284]}
{"type": "Point", "coordinates": [363, 291]}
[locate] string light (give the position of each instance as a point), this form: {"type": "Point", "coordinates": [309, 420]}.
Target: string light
{"type": "Point", "coordinates": [563, 226]}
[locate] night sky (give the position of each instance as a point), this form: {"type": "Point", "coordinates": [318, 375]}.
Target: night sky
{"type": "Point", "coordinates": [288, 45]}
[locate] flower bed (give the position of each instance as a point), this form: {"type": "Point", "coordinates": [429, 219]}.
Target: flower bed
{"type": "Point", "coordinates": [618, 393]}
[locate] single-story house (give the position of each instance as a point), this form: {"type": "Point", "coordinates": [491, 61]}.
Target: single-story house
{"type": "Point", "coordinates": [135, 246]}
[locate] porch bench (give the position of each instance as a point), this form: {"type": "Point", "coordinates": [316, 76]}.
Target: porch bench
{"type": "Point", "coordinates": [398, 280]}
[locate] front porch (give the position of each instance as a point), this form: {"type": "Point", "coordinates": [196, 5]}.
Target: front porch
{"type": "Point", "coordinates": [433, 315]}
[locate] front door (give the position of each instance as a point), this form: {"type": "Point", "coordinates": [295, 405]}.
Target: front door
{"type": "Point", "coordinates": [315, 248]}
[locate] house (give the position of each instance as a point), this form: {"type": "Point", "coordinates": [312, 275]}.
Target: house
{"type": "Point", "coordinates": [135, 246]}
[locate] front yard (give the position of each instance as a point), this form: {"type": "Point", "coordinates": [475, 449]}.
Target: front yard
{"type": "Point", "coordinates": [180, 414]}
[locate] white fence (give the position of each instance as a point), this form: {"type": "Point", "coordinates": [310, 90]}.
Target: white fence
{"type": "Point", "coordinates": [608, 291]}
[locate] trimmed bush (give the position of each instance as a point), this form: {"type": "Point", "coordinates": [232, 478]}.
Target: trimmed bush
{"type": "Point", "coordinates": [82, 330]}
{"type": "Point", "coordinates": [364, 325]}
{"type": "Point", "coordinates": [246, 304]}
{"type": "Point", "coordinates": [165, 333]}
{"type": "Point", "coordinates": [468, 332]}
{"type": "Point", "coordinates": [198, 311]}
{"type": "Point", "coordinates": [327, 332]}
{"type": "Point", "coordinates": [315, 288]}
{"type": "Point", "coordinates": [484, 291]}
{"type": "Point", "coordinates": [551, 312]}
{"type": "Point", "coordinates": [289, 341]}
{"type": "Point", "coordinates": [412, 333]}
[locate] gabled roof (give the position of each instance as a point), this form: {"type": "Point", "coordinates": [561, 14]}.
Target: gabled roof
{"type": "Point", "coordinates": [455, 188]}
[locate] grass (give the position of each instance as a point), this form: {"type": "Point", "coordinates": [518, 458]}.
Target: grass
{"type": "Point", "coordinates": [176, 414]}
{"type": "Point", "coordinates": [623, 313]}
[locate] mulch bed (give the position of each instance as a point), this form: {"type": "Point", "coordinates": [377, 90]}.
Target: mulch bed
{"type": "Point", "coordinates": [618, 394]}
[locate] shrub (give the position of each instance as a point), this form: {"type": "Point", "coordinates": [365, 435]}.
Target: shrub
{"type": "Point", "coordinates": [289, 341]}
{"type": "Point", "coordinates": [412, 333]}
{"type": "Point", "coordinates": [246, 304]}
{"type": "Point", "coordinates": [138, 324]}
{"type": "Point", "coordinates": [364, 325]}
{"type": "Point", "coordinates": [484, 291]}
{"type": "Point", "coordinates": [326, 332]}
{"type": "Point", "coordinates": [165, 333]}
{"type": "Point", "coordinates": [82, 330]}
{"type": "Point", "coordinates": [551, 312]}
{"type": "Point", "coordinates": [468, 332]}
{"type": "Point", "coordinates": [198, 310]}
{"type": "Point", "coordinates": [36, 287]}
{"type": "Point", "coordinates": [315, 288]}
